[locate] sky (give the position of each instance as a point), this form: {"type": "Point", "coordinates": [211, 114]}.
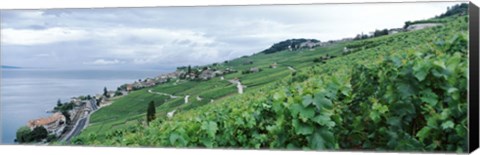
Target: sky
{"type": "Point", "coordinates": [168, 37]}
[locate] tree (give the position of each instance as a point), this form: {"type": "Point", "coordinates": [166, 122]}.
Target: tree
{"type": "Point", "coordinates": [98, 101]}
{"type": "Point", "coordinates": [118, 93]}
{"type": "Point", "coordinates": [67, 117]}
{"type": "Point", "coordinates": [189, 69]}
{"type": "Point", "coordinates": [105, 92]}
{"type": "Point", "coordinates": [361, 36]}
{"type": "Point", "coordinates": [407, 23]}
{"type": "Point", "coordinates": [51, 138]}
{"type": "Point", "coordinates": [150, 112]}
{"type": "Point", "coordinates": [39, 133]}
{"type": "Point", "coordinates": [378, 33]}
{"type": "Point", "coordinates": [24, 135]}
{"type": "Point", "coordinates": [59, 103]}
{"type": "Point", "coordinates": [456, 9]}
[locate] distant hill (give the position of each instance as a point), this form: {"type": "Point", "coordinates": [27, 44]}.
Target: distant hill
{"type": "Point", "coordinates": [291, 44]}
{"type": "Point", "coordinates": [459, 9]}
{"type": "Point", "coordinates": [10, 67]}
{"type": "Point", "coordinates": [456, 10]}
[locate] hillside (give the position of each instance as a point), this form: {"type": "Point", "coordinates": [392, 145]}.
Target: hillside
{"type": "Point", "coordinates": [405, 91]}
{"type": "Point", "coordinates": [131, 108]}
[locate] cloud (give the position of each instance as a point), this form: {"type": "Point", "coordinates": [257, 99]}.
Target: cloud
{"type": "Point", "coordinates": [105, 62]}
{"type": "Point", "coordinates": [36, 37]}
{"type": "Point", "coordinates": [138, 38]}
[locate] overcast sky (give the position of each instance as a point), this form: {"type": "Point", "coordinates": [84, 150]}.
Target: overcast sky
{"type": "Point", "coordinates": [167, 37]}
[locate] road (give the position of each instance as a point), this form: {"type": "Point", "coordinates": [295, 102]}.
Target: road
{"type": "Point", "coordinates": [93, 104]}
{"type": "Point", "coordinates": [80, 125]}
{"type": "Point", "coordinates": [159, 93]}
{"type": "Point", "coordinates": [78, 128]}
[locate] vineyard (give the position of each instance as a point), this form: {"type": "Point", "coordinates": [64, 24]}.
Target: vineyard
{"type": "Point", "coordinates": [402, 92]}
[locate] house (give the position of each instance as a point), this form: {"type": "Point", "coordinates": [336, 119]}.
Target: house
{"type": "Point", "coordinates": [76, 101]}
{"type": "Point", "coordinates": [54, 124]}
{"type": "Point", "coordinates": [162, 80]}
{"type": "Point", "coordinates": [218, 73]}
{"type": "Point", "coordinates": [393, 31]}
{"type": "Point", "coordinates": [254, 69]}
{"type": "Point", "coordinates": [274, 65]}
{"type": "Point", "coordinates": [207, 74]}
{"type": "Point", "coordinates": [191, 76]}
{"type": "Point", "coordinates": [228, 71]}
{"type": "Point", "coordinates": [150, 83]}
{"type": "Point", "coordinates": [129, 87]}
{"type": "Point", "coordinates": [137, 85]}
{"type": "Point", "coordinates": [309, 44]}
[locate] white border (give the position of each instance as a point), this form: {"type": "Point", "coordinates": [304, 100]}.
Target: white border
{"type": "Point", "coordinates": [73, 150]}
{"type": "Point", "coordinates": [41, 4]}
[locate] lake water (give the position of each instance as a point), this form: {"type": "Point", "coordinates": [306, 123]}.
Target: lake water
{"type": "Point", "coordinates": [26, 94]}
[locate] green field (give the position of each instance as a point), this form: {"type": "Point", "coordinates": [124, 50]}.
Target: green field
{"type": "Point", "coordinates": [405, 91]}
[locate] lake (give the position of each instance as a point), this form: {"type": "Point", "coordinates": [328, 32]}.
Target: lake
{"type": "Point", "coordinates": [27, 94]}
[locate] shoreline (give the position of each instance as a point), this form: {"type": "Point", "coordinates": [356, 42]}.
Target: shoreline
{"type": "Point", "coordinates": [75, 111]}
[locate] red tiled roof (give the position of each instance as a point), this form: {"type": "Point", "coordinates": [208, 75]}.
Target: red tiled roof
{"type": "Point", "coordinates": [45, 121]}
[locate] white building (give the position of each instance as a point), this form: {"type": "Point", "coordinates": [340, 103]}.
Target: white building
{"type": "Point", "coordinates": [186, 98]}
{"type": "Point", "coordinates": [240, 88]}
{"type": "Point", "coordinates": [170, 114]}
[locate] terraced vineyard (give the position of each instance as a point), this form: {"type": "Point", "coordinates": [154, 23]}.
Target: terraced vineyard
{"type": "Point", "coordinates": [406, 91]}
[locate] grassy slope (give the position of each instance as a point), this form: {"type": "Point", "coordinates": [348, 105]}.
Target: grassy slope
{"type": "Point", "coordinates": [131, 108]}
